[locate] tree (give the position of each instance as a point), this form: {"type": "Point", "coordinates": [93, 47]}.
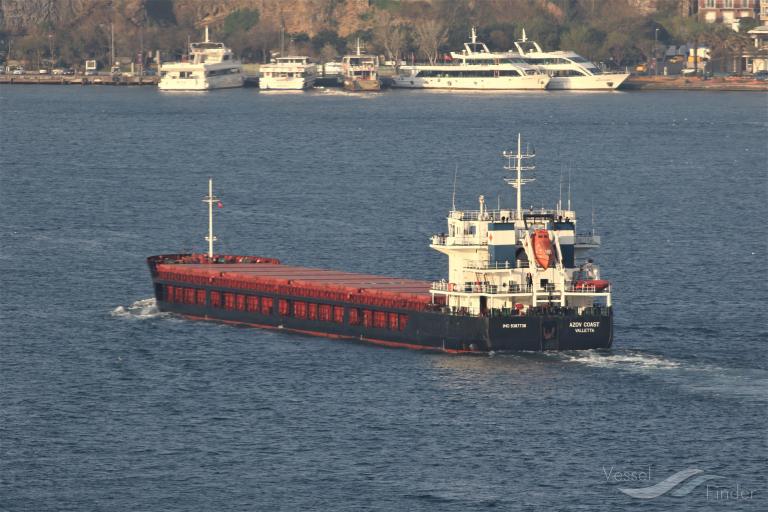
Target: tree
{"type": "Point", "coordinates": [389, 35]}
{"type": "Point", "coordinates": [240, 21]}
{"type": "Point", "coordinates": [430, 35]}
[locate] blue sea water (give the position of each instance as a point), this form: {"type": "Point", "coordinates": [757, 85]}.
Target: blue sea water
{"type": "Point", "coordinates": [106, 404]}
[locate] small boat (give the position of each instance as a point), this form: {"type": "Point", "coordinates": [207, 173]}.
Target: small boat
{"type": "Point", "coordinates": [542, 248]}
{"type": "Point", "coordinates": [360, 72]}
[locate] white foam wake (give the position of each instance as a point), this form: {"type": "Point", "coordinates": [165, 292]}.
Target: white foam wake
{"type": "Point", "coordinates": [140, 310]}
{"type": "Point", "coordinates": [630, 360]}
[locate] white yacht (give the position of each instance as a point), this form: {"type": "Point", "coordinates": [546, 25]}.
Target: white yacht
{"type": "Point", "coordinates": [568, 70]}
{"type": "Point", "coordinates": [288, 73]}
{"type": "Point", "coordinates": [475, 67]}
{"type": "Point", "coordinates": [210, 65]}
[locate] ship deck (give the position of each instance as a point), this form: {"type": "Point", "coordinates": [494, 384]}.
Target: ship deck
{"type": "Point", "coordinates": [305, 275]}
{"type": "Point", "coordinates": [299, 280]}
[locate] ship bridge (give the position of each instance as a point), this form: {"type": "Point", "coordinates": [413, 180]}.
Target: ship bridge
{"type": "Point", "coordinates": [516, 259]}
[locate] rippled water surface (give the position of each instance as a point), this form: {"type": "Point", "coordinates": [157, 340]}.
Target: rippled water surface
{"type": "Point", "coordinates": [105, 404]}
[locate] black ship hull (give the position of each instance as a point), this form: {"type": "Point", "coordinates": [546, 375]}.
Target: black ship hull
{"type": "Point", "coordinates": [540, 330]}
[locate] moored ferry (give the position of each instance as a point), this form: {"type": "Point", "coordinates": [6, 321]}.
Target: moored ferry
{"type": "Point", "coordinates": [211, 65]}
{"type": "Point", "coordinates": [288, 73]}
{"type": "Point", "coordinates": [567, 70]}
{"type": "Point", "coordinates": [475, 67]}
{"type": "Point", "coordinates": [517, 280]}
{"type": "Point", "coordinates": [360, 72]}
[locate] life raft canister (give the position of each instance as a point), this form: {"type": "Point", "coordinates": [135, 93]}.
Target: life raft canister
{"type": "Point", "coordinates": [542, 248]}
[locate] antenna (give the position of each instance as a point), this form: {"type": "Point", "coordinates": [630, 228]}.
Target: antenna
{"type": "Point", "coordinates": [453, 199]}
{"type": "Point", "coordinates": [560, 200]}
{"type": "Point", "coordinates": [569, 189]}
{"type": "Point", "coordinates": [515, 163]}
{"type": "Point", "coordinates": [210, 199]}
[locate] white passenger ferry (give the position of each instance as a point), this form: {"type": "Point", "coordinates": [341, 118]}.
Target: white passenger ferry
{"type": "Point", "coordinates": [568, 70]}
{"type": "Point", "coordinates": [475, 67]}
{"type": "Point", "coordinates": [288, 73]}
{"type": "Point", "coordinates": [211, 65]}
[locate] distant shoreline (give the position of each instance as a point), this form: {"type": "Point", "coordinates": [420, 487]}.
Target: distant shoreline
{"type": "Point", "coordinates": [681, 83]}
{"type": "Point", "coordinates": [633, 83]}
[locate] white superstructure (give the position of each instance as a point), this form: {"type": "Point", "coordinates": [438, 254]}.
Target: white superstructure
{"type": "Point", "coordinates": [211, 65]}
{"type": "Point", "coordinates": [568, 70]}
{"type": "Point", "coordinates": [475, 67]}
{"type": "Point", "coordinates": [288, 73]}
{"type": "Point", "coordinates": [516, 258]}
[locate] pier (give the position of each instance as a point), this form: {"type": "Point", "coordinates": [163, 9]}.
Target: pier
{"type": "Point", "coordinates": [78, 79]}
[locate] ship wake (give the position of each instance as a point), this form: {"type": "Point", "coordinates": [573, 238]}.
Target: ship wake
{"type": "Point", "coordinates": [710, 379]}
{"type": "Point", "coordinates": [143, 309]}
{"type": "Point", "coordinates": [630, 360]}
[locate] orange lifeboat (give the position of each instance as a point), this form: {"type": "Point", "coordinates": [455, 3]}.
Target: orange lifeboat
{"type": "Point", "coordinates": [542, 248]}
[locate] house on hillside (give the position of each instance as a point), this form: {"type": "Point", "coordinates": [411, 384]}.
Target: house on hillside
{"type": "Point", "coordinates": [728, 12]}
{"type": "Point", "coordinates": [757, 60]}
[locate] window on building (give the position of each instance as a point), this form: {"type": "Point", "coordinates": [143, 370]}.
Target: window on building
{"type": "Point", "coordinates": [354, 316]}
{"type": "Point", "coordinates": [728, 4]}
{"type": "Point", "coordinates": [709, 4]}
{"type": "Point", "coordinates": [312, 311]}
{"type": "Point", "coordinates": [240, 302]}
{"type": "Point", "coordinates": [216, 299]}
{"type": "Point", "coordinates": [283, 307]}
{"type": "Point", "coordinates": [201, 297]}
{"type": "Point", "coordinates": [252, 303]}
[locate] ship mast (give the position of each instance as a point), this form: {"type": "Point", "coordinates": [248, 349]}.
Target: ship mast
{"type": "Point", "coordinates": [210, 199]}
{"type": "Point", "coordinates": [515, 163]}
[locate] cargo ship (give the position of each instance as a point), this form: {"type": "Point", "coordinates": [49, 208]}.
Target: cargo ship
{"type": "Point", "coordinates": [518, 280]}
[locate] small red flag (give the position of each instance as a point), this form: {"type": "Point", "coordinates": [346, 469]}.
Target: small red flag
{"type": "Point", "coordinates": [220, 204]}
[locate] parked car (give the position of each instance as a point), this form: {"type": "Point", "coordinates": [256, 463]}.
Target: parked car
{"type": "Point", "coordinates": [57, 71]}
{"type": "Point", "coordinates": [761, 75]}
{"type": "Point", "coordinates": [43, 71]}
{"type": "Point", "coordinates": [18, 71]}
{"type": "Point", "coordinates": [68, 71]}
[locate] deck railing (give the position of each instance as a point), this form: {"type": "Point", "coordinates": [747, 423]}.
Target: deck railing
{"type": "Point", "coordinates": [457, 240]}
